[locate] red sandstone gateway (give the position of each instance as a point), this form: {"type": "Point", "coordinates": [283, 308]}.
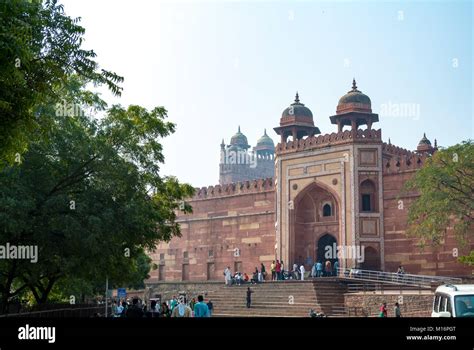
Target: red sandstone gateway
{"type": "Point", "coordinates": [310, 192]}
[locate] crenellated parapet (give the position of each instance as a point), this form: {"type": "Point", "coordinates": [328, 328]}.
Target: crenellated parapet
{"type": "Point", "coordinates": [250, 186]}
{"type": "Point", "coordinates": [397, 159]}
{"type": "Point", "coordinates": [367, 135]}
{"type": "Point", "coordinates": [395, 150]}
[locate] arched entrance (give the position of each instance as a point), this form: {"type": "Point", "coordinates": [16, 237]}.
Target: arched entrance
{"type": "Point", "coordinates": [327, 249]}
{"type": "Point", "coordinates": [316, 214]}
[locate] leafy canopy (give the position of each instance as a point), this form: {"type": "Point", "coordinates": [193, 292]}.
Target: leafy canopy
{"type": "Point", "coordinates": [40, 48]}
{"type": "Point", "coordinates": [446, 188]}
{"type": "Point", "coordinates": [90, 196]}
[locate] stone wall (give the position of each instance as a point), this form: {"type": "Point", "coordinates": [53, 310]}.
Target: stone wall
{"type": "Point", "coordinates": [413, 305]}
{"type": "Point", "coordinates": [405, 250]}
{"type": "Point", "coordinates": [226, 229]}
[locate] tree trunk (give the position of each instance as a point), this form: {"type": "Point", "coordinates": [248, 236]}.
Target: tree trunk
{"type": "Point", "coordinates": [5, 300]}
{"type": "Point", "coordinates": [41, 293]}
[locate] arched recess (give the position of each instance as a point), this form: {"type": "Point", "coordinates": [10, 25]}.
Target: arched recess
{"type": "Point", "coordinates": [327, 249]}
{"type": "Point", "coordinates": [327, 210]}
{"type": "Point", "coordinates": [308, 223]}
{"type": "Point", "coordinates": [368, 202]}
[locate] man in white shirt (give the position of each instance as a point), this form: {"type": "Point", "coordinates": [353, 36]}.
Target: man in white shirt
{"type": "Point", "coordinates": [227, 275]}
{"type": "Point", "coordinates": [302, 271]}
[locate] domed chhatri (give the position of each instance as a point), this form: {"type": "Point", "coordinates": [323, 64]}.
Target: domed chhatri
{"type": "Point", "coordinates": [354, 99]}
{"type": "Point", "coordinates": [239, 140]}
{"type": "Point", "coordinates": [265, 140]}
{"type": "Point", "coordinates": [425, 146]}
{"type": "Point", "coordinates": [297, 109]}
{"type": "Point", "coordinates": [354, 109]}
{"type": "Point", "coordinates": [265, 145]}
{"type": "Point", "coordinates": [296, 121]}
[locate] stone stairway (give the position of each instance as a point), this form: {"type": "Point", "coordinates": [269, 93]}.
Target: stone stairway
{"type": "Point", "coordinates": [279, 298]}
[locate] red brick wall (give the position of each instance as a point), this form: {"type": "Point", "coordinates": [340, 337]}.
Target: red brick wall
{"type": "Point", "coordinates": [242, 221]}
{"type": "Point", "coordinates": [413, 305]}
{"type": "Point", "coordinates": [402, 249]}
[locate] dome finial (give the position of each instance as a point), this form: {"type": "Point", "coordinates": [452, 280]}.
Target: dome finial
{"type": "Point", "coordinates": [389, 142]}
{"type": "Point", "coordinates": [436, 144]}
{"type": "Point", "coordinates": [239, 129]}
{"type": "Point", "coordinates": [265, 132]}
{"type": "Point", "coordinates": [354, 85]}
{"type": "Point", "coordinates": [424, 135]}
{"type": "Point", "coordinates": [297, 98]}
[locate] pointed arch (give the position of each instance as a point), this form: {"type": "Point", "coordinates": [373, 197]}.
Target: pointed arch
{"type": "Point", "coordinates": [309, 223]}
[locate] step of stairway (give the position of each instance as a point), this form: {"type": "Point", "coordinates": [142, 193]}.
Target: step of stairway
{"type": "Point", "coordinates": [272, 299]}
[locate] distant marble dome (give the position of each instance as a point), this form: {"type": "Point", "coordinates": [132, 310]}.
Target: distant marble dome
{"type": "Point", "coordinates": [265, 140]}
{"type": "Point", "coordinates": [239, 140]}
{"type": "Point", "coordinates": [297, 109]}
{"type": "Point", "coordinates": [354, 100]}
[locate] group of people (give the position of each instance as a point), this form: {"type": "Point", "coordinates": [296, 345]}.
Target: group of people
{"type": "Point", "coordinates": [318, 270]}
{"type": "Point", "coordinates": [278, 273]}
{"type": "Point", "coordinates": [173, 308]}
{"type": "Point", "coordinates": [135, 309]}
{"type": "Point", "coordinates": [396, 310]}
{"type": "Point", "coordinates": [240, 278]}
{"type": "Point", "coordinates": [278, 270]}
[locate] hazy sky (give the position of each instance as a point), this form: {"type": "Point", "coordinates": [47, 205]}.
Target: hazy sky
{"type": "Point", "coordinates": [218, 64]}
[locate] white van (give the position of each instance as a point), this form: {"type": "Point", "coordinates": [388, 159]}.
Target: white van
{"type": "Point", "coordinates": [454, 300]}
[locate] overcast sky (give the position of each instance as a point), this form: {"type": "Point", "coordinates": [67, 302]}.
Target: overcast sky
{"type": "Point", "coordinates": [216, 65]}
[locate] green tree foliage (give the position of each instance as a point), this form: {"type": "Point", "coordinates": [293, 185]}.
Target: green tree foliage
{"type": "Point", "coordinates": [90, 196]}
{"type": "Point", "coordinates": [86, 191]}
{"type": "Point", "coordinates": [40, 48]}
{"type": "Point", "coordinates": [446, 188]}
